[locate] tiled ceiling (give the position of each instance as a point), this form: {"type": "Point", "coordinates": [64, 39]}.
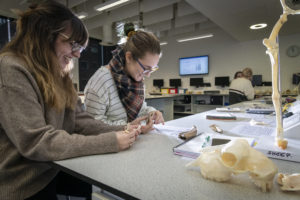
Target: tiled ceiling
{"type": "Point", "coordinates": [177, 18]}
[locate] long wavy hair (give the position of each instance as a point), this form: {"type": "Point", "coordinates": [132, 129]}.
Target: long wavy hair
{"type": "Point", "coordinates": [36, 33]}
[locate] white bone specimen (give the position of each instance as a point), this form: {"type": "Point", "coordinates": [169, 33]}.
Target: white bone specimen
{"type": "Point", "coordinates": [240, 157]}
{"type": "Point", "coordinates": [289, 182]}
{"type": "Point", "coordinates": [211, 166]}
{"type": "Point", "coordinates": [235, 157]}
{"type": "Point", "coordinates": [216, 128]}
{"type": "Point", "coordinates": [254, 122]}
{"type": "Point", "coordinates": [272, 45]}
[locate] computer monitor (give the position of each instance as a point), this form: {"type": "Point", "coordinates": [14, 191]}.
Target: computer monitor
{"type": "Point", "coordinates": [256, 80]}
{"type": "Point", "coordinates": [175, 83]}
{"type": "Point", "coordinates": [196, 82]}
{"type": "Point", "coordinates": [158, 83]}
{"type": "Point", "coordinates": [296, 78]}
{"type": "Point", "coordinates": [193, 65]}
{"type": "Point", "coordinates": [222, 81]}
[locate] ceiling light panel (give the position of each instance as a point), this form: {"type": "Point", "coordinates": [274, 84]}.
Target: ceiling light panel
{"type": "Point", "coordinates": [195, 38]}
{"type": "Point", "coordinates": [109, 4]}
{"type": "Point", "coordinates": [258, 26]}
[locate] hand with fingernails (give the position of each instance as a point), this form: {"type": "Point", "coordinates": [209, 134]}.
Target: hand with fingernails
{"type": "Point", "coordinates": [154, 117]}
{"type": "Point", "coordinates": [127, 137]}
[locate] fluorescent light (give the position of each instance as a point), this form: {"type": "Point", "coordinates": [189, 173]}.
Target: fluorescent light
{"type": "Point", "coordinates": [195, 38]}
{"type": "Point", "coordinates": [109, 4]}
{"type": "Point", "coordinates": [163, 43]}
{"type": "Point", "coordinates": [82, 15]}
{"type": "Point", "coordinates": [258, 26]}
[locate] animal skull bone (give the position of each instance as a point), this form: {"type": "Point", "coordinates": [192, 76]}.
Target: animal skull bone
{"type": "Point", "coordinates": [211, 166]}
{"type": "Point", "coordinates": [289, 182]}
{"type": "Point", "coordinates": [220, 162]}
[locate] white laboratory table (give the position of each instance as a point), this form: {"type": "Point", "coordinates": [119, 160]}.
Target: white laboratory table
{"type": "Point", "coordinates": [150, 170]}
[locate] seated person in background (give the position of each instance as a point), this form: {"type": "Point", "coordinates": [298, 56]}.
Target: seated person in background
{"type": "Point", "coordinates": [115, 93]}
{"type": "Point", "coordinates": [238, 74]}
{"type": "Point", "coordinates": [241, 89]}
{"type": "Point", "coordinates": [42, 119]}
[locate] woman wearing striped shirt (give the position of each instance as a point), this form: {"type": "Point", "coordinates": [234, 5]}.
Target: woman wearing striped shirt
{"type": "Point", "coordinates": [115, 93]}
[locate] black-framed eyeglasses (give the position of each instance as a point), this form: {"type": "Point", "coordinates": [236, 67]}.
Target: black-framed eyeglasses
{"type": "Point", "coordinates": [74, 45]}
{"type": "Point", "coordinates": [147, 69]}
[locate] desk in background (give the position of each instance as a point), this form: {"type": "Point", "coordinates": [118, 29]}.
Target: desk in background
{"type": "Point", "coordinates": [163, 103]}
{"type": "Point", "coordinates": [173, 105]}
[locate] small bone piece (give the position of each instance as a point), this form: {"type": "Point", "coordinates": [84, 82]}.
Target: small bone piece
{"type": "Point", "coordinates": [216, 128]}
{"type": "Point", "coordinates": [289, 182]}
{"type": "Point", "coordinates": [188, 134]}
{"type": "Point", "coordinates": [254, 122]}
{"type": "Point", "coordinates": [150, 116]}
{"type": "Point", "coordinates": [282, 143]}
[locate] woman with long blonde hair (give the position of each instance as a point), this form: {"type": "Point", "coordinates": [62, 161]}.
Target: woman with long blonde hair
{"type": "Point", "coordinates": [41, 117]}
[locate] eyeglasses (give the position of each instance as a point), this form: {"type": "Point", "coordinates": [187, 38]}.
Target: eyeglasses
{"type": "Point", "coordinates": [147, 69]}
{"type": "Point", "coordinates": [74, 45]}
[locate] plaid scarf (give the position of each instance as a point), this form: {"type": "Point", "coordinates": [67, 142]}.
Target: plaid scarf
{"type": "Point", "coordinates": [131, 93]}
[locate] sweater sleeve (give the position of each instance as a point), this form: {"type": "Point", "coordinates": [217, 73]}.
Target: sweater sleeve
{"type": "Point", "coordinates": [86, 124]}
{"type": "Point", "coordinates": [23, 119]}
{"type": "Point", "coordinates": [97, 104]}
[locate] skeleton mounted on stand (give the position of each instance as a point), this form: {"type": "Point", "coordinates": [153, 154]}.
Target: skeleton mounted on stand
{"type": "Point", "coordinates": [273, 50]}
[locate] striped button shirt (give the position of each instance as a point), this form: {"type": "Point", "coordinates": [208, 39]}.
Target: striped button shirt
{"type": "Point", "coordinates": [103, 102]}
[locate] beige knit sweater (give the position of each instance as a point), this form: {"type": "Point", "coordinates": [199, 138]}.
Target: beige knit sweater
{"type": "Point", "coordinates": [32, 134]}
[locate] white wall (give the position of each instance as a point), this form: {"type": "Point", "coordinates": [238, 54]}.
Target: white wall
{"type": "Point", "coordinates": [226, 56]}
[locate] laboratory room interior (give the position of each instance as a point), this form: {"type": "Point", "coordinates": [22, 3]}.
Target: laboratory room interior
{"type": "Point", "coordinates": [229, 33]}
{"type": "Point", "coordinates": [203, 44]}
{"type": "Point", "coordinates": [186, 28]}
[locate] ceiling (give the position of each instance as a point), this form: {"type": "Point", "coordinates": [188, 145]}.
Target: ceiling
{"type": "Point", "coordinates": [178, 18]}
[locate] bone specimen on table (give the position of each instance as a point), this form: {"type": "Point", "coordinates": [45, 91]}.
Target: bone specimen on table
{"type": "Point", "coordinates": [273, 51]}
{"type": "Point", "coordinates": [216, 128]}
{"type": "Point", "coordinates": [211, 165]}
{"type": "Point", "coordinates": [218, 163]}
{"type": "Point", "coordinates": [188, 134]}
{"type": "Point", "coordinates": [289, 182]}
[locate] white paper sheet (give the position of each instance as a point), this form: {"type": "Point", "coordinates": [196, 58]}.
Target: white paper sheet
{"type": "Point", "coordinates": [267, 119]}
{"type": "Point", "coordinates": [170, 130]}
{"type": "Point", "coordinates": [253, 131]}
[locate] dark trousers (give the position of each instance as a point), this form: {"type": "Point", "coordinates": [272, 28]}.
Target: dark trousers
{"type": "Point", "coordinates": [236, 98]}
{"type": "Point", "coordinates": [64, 184]}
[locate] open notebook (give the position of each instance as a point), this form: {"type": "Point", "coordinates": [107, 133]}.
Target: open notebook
{"type": "Point", "coordinates": [192, 147]}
